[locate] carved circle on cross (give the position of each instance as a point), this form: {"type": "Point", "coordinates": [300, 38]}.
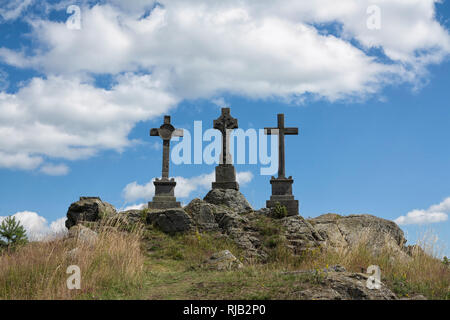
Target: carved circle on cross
{"type": "Point", "coordinates": [165, 131]}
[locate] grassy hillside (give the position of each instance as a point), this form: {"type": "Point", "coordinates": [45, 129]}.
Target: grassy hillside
{"type": "Point", "coordinates": [148, 264]}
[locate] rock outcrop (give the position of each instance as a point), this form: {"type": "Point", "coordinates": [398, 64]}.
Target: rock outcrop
{"type": "Point", "coordinates": [170, 220]}
{"type": "Point", "coordinates": [337, 284]}
{"type": "Point", "coordinates": [229, 213]}
{"type": "Point", "coordinates": [349, 231]}
{"type": "Point", "coordinates": [88, 209]}
{"type": "Point", "coordinates": [83, 235]}
{"type": "Point", "coordinates": [300, 234]}
{"type": "Point", "coordinates": [230, 198]}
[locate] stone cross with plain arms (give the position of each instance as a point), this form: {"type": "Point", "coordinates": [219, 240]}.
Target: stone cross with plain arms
{"type": "Point", "coordinates": [281, 131]}
{"type": "Point", "coordinates": [166, 132]}
{"type": "Point", "coordinates": [223, 123]}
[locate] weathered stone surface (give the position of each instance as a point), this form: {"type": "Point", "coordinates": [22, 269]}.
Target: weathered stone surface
{"type": "Point", "coordinates": [343, 285]}
{"type": "Point", "coordinates": [349, 231]}
{"type": "Point", "coordinates": [170, 220]}
{"type": "Point", "coordinates": [83, 235]}
{"type": "Point", "coordinates": [164, 195]}
{"type": "Point", "coordinates": [228, 222]}
{"type": "Point", "coordinates": [282, 195]}
{"type": "Point", "coordinates": [88, 209]}
{"type": "Point", "coordinates": [300, 234]}
{"type": "Point", "coordinates": [225, 177]}
{"type": "Point", "coordinates": [223, 260]}
{"type": "Point", "coordinates": [133, 216]}
{"type": "Point", "coordinates": [203, 215]}
{"type": "Point", "coordinates": [230, 198]}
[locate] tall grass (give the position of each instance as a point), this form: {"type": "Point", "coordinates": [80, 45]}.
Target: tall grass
{"type": "Point", "coordinates": [421, 272]}
{"type": "Point", "coordinates": [113, 266]}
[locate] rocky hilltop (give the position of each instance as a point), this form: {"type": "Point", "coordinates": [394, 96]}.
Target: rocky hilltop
{"type": "Point", "coordinates": [228, 215]}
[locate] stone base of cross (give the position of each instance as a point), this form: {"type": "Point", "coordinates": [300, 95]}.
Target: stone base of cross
{"type": "Point", "coordinates": [225, 177]}
{"type": "Point", "coordinates": [164, 195]}
{"type": "Point", "coordinates": [282, 195]}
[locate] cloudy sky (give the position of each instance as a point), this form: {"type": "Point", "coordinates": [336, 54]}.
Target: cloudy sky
{"type": "Point", "coordinates": [366, 82]}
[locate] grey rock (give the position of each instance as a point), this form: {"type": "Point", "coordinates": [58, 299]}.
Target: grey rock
{"type": "Point", "coordinates": [345, 286]}
{"type": "Point", "coordinates": [88, 209]}
{"type": "Point", "coordinates": [83, 235]}
{"type": "Point", "coordinates": [223, 260]}
{"type": "Point", "coordinates": [131, 216]}
{"type": "Point", "coordinates": [230, 198]}
{"type": "Point", "coordinates": [300, 234]}
{"type": "Point", "coordinates": [170, 220]}
{"type": "Point", "coordinates": [203, 214]}
{"type": "Point", "coordinates": [350, 231]}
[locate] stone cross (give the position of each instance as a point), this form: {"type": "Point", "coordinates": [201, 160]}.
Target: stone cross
{"type": "Point", "coordinates": [224, 123]}
{"type": "Point", "coordinates": [281, 131]}
{"type": "Point", "coordinates": [166, 132]}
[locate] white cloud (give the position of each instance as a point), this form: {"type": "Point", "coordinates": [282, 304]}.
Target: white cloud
{"type": "Point", "coordinates": [12, 9]}
{"type": "Point", "coordinates": [435, 213]}
{"type": "Point", "coordinates": [55, 170]}
{"type": "Point", "coordinates": [37, 227]}
{"type": "Point", "coordinates": [72, 119]}
{"type": "Point", "coordinates": [139, 206]}
{"type": "Point", "coordinates": [255, 48]}
{"type": "Point", "coordinates": [220, 102]}
{"type": "Point", "coordinates": [198, 49]}
{"type": "Point", "coordinates": [4, 83]}
{"type": "Point", "coordinates": [185, 186]}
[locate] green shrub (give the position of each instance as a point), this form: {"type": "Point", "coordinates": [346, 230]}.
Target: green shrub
{"type": "Point", "coordinates": [279, 211]}
{"type": "Point", "coordinates": [13, 232]}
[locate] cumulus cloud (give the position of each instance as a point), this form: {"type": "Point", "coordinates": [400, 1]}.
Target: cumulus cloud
{"type": "Point", "coordinates": [435, 213]}
{"type": "Point", "coordinates": [185, 186]}
{"type": "Point", "coordinates": [55, 170]}
{"type": "Point", "coordinates": [72, 119]}
{"type": "Point", "coordinates": [12, 9]}
{"type": "Point", "coordinates": [139, 206]}
{"type": "Point", "coordinates": [160, 54]}
{"type": "Point", "coordinates": [37, 227]}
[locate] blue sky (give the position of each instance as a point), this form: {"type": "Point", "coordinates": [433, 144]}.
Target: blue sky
{"type": "Point", "coordinates": [371, 104]}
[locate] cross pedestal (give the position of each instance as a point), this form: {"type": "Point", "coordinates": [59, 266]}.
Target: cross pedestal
{"type": "Point", "coordinates": [282, 186]}
{"type": "Point", "coordinates": [225, 177]}
{"type": "Point", "coordinates": [282, 194]}
{"type": "Point", "coordinates": [225, 171]}
{"type": "Point", "coordinates": [165, 188]}
{"type": "Point", "coordinates": [164, 195]}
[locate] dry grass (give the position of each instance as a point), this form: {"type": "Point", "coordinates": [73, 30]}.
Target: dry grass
{"type": "Point", "coordinates": [420, 273]}
{"type": "Point", "coordinates": [122, 266]}
{"type": "Point", "coordinates": [112, 267]}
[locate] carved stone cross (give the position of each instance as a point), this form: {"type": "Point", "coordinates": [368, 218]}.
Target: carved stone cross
{"type": "Point", "coordinates": [281, 131]}
{"type": "Point", "coordinates": [166, 132]}
{"type": "Point", "coordinates": [223, 123]}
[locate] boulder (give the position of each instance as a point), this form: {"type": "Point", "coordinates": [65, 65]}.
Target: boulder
{"type": "Point", "coordinates": [350, 231]}
{"type": "Point", "coordinates": [170, 220]}
{"type": "Point", "coordinates": [337, 284]}
{"type": "Point", "coordinates": [88, 209]}
{"type": "Point", "coordinates": [300, 234]}
{"type": "Point", "coordinates": [203, 214]}
{"type": "Point", "coordinates": [230, 198]}
{"type": "Point", "coordinates": [83, 235]}
{"type": "Point", "coordinates": [222, 261]}
{"type": "Point", "coordinates": [130, 217]}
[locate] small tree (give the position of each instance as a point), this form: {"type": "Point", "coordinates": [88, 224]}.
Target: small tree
{"type": "Point", "coordinates": [13, 232]}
